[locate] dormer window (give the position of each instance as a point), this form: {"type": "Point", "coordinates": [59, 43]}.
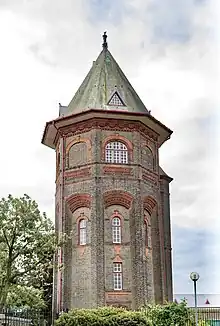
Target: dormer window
{"type": "Point", "coordinates": [116, 100]}
{"type": "Point", "coordinates": [116, 152]}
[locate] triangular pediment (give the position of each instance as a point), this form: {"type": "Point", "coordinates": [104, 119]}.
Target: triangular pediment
{"type": "Point", "coordinates": [115, 100]}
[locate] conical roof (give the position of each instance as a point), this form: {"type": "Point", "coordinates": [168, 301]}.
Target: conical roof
{"type": "Point", "coordinates": [105, 88]}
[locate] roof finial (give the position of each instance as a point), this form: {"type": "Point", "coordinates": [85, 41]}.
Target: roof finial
{"type": "Point", "coordinates": [105, 44]}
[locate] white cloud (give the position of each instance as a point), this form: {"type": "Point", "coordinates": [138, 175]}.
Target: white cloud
{"type": "Point", "coordinates": [47, 49]}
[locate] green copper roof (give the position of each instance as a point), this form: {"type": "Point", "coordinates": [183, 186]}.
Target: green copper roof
{"type": "Point", "coordinates": [105, 88]}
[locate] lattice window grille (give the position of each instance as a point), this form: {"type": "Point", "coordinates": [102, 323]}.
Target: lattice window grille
{"type": "Point", "coordinates": [116, 152]}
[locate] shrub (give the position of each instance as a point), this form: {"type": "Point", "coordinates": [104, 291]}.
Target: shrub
{"type": "Point", "coordinates": [172, 314]}
{"type": "Point", "coordinates": [106, 316]}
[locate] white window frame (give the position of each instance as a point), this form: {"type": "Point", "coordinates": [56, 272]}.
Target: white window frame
{"type": "Point", "coordinates": [116, 229]}
{"type": "Point", "coordinates": [82, 232]}
{"type": "Point", "coordinates": [116, 152]}
{"type": "Point", "coordinates": [117, 276]}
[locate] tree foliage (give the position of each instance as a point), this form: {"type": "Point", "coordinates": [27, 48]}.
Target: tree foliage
{"type": "Point", "coordinates": [27, 244]}
{"type": "Point", "coordinates": [26, 297]}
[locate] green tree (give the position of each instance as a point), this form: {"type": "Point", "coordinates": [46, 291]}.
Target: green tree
{"type": "Point", "coordinates": [27, 244]}
{"type": "Point", "coordinates": [26, 297]}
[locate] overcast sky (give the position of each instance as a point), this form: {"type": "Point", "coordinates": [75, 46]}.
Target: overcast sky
{"type": "Point", "coordinates": [168, 50]}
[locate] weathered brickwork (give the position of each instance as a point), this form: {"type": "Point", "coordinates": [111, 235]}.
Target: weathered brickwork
{"type": "Point", "coordinates": [112, 197]}
{"type": "Point", "coordinates": [97, 191]}
{"type": "Point", "coordinates": [118, 252]}
{"type": "Point", "coordinates": [165, 208]}
{"type": "Point", "coordinates": [148, 249]}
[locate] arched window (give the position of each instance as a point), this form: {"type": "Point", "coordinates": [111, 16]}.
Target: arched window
{"type": "Point", "coordinates": [82, 232]}
{"type": "Point", "coordinates": [116, 152]}
{"type": "Point", "coordinates": [77, 154]}
{"type": "Point", "coordinates": [116, 230]}
{"type": "Point", "coordinates": [148, 159]}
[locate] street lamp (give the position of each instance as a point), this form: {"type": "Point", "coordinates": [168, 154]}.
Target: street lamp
{"type": "Point", "coordinates": [194, 277]}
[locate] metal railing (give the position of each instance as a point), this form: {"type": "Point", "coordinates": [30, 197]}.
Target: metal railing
{"type": "Point", "coordinates": [207, 316]}
{"type": "Point", "coordinates": [16, 317]}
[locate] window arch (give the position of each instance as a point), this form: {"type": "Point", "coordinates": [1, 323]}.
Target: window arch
{"type": "Point", "coordinates": [82, 232]}
{"type": "Point", "coordinates": [116, 230]}
{"type": "Point", "coordinates": [116, 152]}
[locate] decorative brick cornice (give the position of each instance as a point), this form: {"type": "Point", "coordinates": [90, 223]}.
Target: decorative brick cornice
{"type": "Point", "coordinates": [78, 201]}
{"type": "Point", "coordinates": [108, 124]}
{"type": "Point", "coordinates": [114, 169]}
{"type": "Point", "coordinates": [125, 125]}
{"type": "Point", "coordinates": [149, 204]}
{"type": "Point", "coordinates": [117, 197]}
{"type": "Point", "coordinates": [78, 173]}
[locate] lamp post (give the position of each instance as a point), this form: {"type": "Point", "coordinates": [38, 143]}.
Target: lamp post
{"type": "Point", "coordinates": [194, 277]}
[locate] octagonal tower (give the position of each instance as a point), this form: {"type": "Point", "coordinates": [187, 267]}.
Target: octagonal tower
{"type": "Point", "coordinates": [112, 197]}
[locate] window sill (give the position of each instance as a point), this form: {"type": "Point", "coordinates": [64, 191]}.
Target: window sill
{"type": "Point", "coordinates": [112, 163]}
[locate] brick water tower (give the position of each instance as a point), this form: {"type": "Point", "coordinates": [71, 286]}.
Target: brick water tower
{"type": "Point", "coordinates": [112, 197]}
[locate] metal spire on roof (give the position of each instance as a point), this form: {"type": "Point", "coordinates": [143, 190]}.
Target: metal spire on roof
{"type": "Point", "coordinates": [105, 44]}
